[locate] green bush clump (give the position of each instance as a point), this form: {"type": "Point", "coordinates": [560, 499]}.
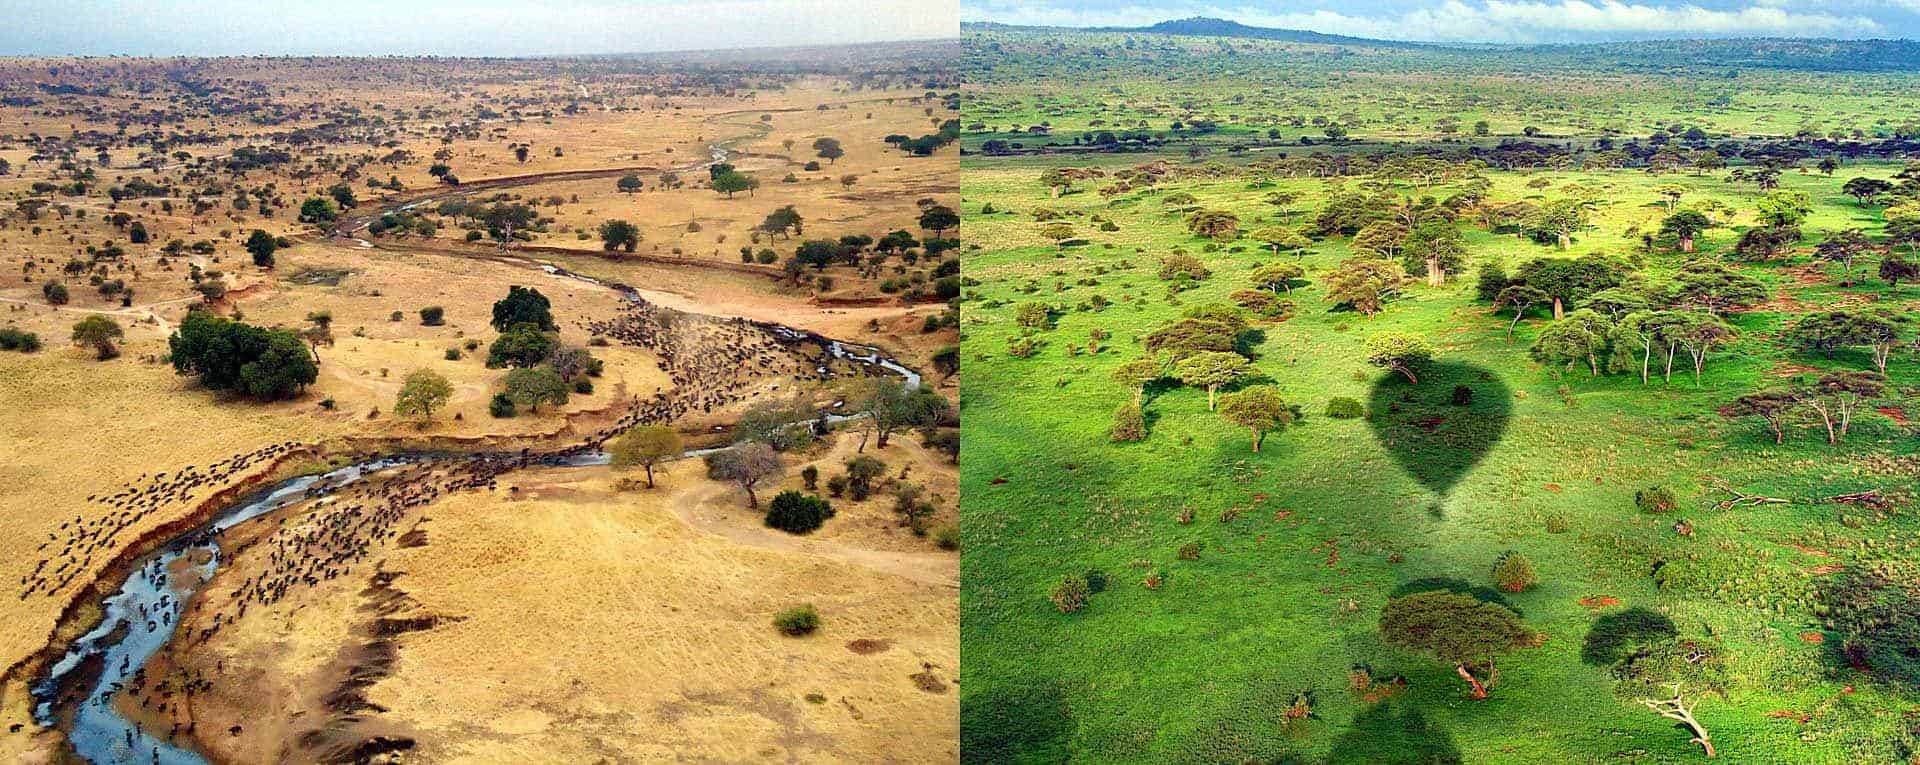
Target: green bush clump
{"type": "Point", "coordinates": [1513, 572]}
{"type": "Point", "coordinates": [799, 620]}
{"type": "Point", "coordinates": [1128, 424]}
{"type": "Point", "coordinates": [1096, 581]}
{"type": "Point", "coordinates": [1655, 499]}
{"type": "Point", "coordinates": [797, 512]}
{"type": "Point", "coordinates": [16, 340]}
{"type": "Point", "coordinates": [501, 406]}
{"type": "Point", "coordinates": [1343, 408]}
{"type": "Point", "coordinates": [1071, 594]}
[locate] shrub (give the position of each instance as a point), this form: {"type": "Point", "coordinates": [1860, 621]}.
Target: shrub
{"type": "Point", "coordinates": [799, 620]}
{"type": "Point", "coordinates": [1556, 524]}
{"type": "Point", "coordinates": [947, 536]}
{"type": "Point", "coordinates": [1190, 551]}
{"type": "Point", "coordinates": [1513, 572]}
{"type": "Point", "coordinates": [1655, 499]}
{"type": "Point", "coordinates": [1128, 424]}
{"type": "Point", "coordinates": [811, 476]}
{"type": "Point", "coordinates": [55, 293]}
{"type": "Point", "coordinates": [1071, 595]}
{"type": "Point", "coordinates": [583, 386]}
{"type": "Point", "coordinates": [1343, 408]}
{"type": "Point", "coordinates": [798, 512]}
{"type": "Point", "coordinates": [501, 406]}
{"type": "Point", "coordinates": [16, 340]}
{"type": "Point", "coordinates": [453, 354]}
{"type": "Point", "coordinates": [433, 316]}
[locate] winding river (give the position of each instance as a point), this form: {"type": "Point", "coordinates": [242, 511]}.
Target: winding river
{"type": "Point", "coordinates": [77, 692]}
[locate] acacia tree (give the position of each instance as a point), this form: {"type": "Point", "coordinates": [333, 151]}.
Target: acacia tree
{"type": "Point", "coordinates": [1582, 336]}
{"type": "Point", "coordinates": [1772, 406]}
{"type": "Point", "coordinates": [1282, 238]}
{"type": "Point", "coordinates": [748, 465]}
{"type": "Point", "coordinates": [423, 391]}
{"type": "Point", "coordinates": [1211, 370]}
{"type": "Point", "coordinates": [890, 406]}
{"type": "Point", "coordinates": [1457, 629]}
{"type": "Point", "coordinates": [646, 446]}
{"type": "Point", "coordinates": [99, 333]}
{"type": "Point", "coordinates": [1365, 283]}
{"type": "Point", "coordinates": [1137, 374]}
{"type": "Point", "coordinates": [1399, 352]}
{"type": "Point", "coordinates": [1568, 281]}
{"type": "Point", "coordinates": [1218, 225]}
{"type": "Point", "coordinates": [1260, 409]}
{"type": "Point", "coordinates": [1845, 248]}
{"type": "Point", "coordinates": [1866, 190]}
{"type": "Point", "coordinates": [1277, 277]}
{"type": "Point", "coordinates": [1517, 298]}
{"type": "Point", "coordinates": [1698, 334]}
{"type": "Point", "coordinates": [1714, 288]}
{"type": "Point", "coordinates": [532, 386]}
{"type": "Point", "coordinates": [1837, 395]}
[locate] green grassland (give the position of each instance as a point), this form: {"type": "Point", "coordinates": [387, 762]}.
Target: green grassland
{"type": "Point", "coordinates": [1302, 543]}
{"type": "Point", "coordinates": [1247, 91]}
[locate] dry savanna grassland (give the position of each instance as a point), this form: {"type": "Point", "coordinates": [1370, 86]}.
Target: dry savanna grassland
{"type": "Point", "coordinates": [344, 235]}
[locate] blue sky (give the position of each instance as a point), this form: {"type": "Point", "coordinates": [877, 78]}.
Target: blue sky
{"type": "Point", "coordinates": [456, 27]}
{"type": "Point", "coordinates": [1502, 21]}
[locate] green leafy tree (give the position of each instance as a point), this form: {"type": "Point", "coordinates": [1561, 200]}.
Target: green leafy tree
{"type": "Point", "coordinates": [619, 235]}
{"type": "Point", "coordinates": [1212, 370]}
{"type": "Point", "coordinates": [1437, 248]}
{"type": "Point", "coordinates": [1399, 352]}
{"type": "Point", "coordinates": [1260, 409]}
{"type": "Point", "coordinates": [318, 211]}
{"type": "Point", "coordinates": [747, 465]}
{"type": "Point", "coordinates": [731, 182]}
{"type": "Point", "coordinates": [1457, 629]}
{"type": "Point", "coordinates": [261, 245]}
{"type": "Point", "coordinates": [99, 333]}
{"type": "Point", "coordinates": [523, 305]}
{"type": "Point", "coordinates": [423, 391]}
{"type": "Point", "coordinates": [1137, 374]}
{"type": "Point", "coordinates": [1581, 336]}
{"type": "Point", "coordinates": [1365, 283]}
{"type": "Point", "coordinates": [1781, 207]}
{"type": "Point", "coordinates": [1683, 226]}
{"type": "Point", "coordinates": [532, 386]}
{"type": "Point", "coordinates": [645, 446]}
{"type": "Point", "coordinates": [1277, 277]}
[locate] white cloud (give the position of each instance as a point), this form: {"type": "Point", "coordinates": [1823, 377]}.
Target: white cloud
{"type": "Point", "coordinates": [1503, 21]}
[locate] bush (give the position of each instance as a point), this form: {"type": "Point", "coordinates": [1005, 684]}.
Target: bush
{"type": "Point", "coordinates": [947, 536]}
{"type": "Point", "coordinates": [16, 340]}
{"type": "Point", "coordinates": [798, 512]}
{"type": "Point", "coordinates": [1129, 424]}
{"type": "Point", "coordinates": [1343, 408]}
{"type": "Point", "coordinates": [810, 475]}
{"type": "Point", "coordinates": [1513, 572]}
{"type": "Point", "coordinates": [433, 316]}
{"type": "Point", "coordinates": [55, 293]}
{"type": "Point", "coordinates": [797, 621]}
{"type": "Point", "coordinates": [453, 354]}
{"type": "Point", "coordinates": [1190, 551]}
{"type": "Point", "coordinates": [1071, 595]}
{"type": "Point", "coordinates": [583, 386]}
{"type": "Point", "coordinates": [501, 406]}
{"type": "Point", "coordinates": [1655, 499]}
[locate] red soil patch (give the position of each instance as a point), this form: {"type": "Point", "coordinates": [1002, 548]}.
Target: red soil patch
{"type": "Point", "coordinates": [1552, 487]}
{"type": "Point", "coordinates": [1810, 551]}
{"type": "Point", "coordinates": [1827, 568]}
{"type": "Point", "coordinates": [1599, 601]}
{"type": "Point", "coordinates": [1898, 415]}
{"type": "Point", "coordinates": [997, 481]}
{"type": "Point", "coordinates": [869, 646]}
{"type": "Point", "coordinates": [1788, 714]}
{"type": "Point", "coordinates": [1812, 638]}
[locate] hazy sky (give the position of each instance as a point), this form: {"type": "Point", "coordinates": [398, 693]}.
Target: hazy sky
{"type": "Point", "coordinates": [456, 27]}
{"type": "Point", "coordinates": [1509, 21]}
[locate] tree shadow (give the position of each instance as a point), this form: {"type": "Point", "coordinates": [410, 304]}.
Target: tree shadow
{"type": "Point", "coordinates": [1437, 433]}
{"type": "Point", "coordinates": [1394, 733]}
{"type": "Point", "coordinates": [1029, 723]}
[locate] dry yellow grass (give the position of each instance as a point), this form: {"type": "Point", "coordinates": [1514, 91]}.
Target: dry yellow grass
{"type": "Point", "coordinates": [578, 622]}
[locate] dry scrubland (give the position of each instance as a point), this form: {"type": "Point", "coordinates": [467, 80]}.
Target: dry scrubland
{"type": "Point", "coordinates": [146, 177]}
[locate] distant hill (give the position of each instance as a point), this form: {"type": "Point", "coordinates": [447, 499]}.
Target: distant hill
{"type": "Point", "coordinates": [1751, 53]}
